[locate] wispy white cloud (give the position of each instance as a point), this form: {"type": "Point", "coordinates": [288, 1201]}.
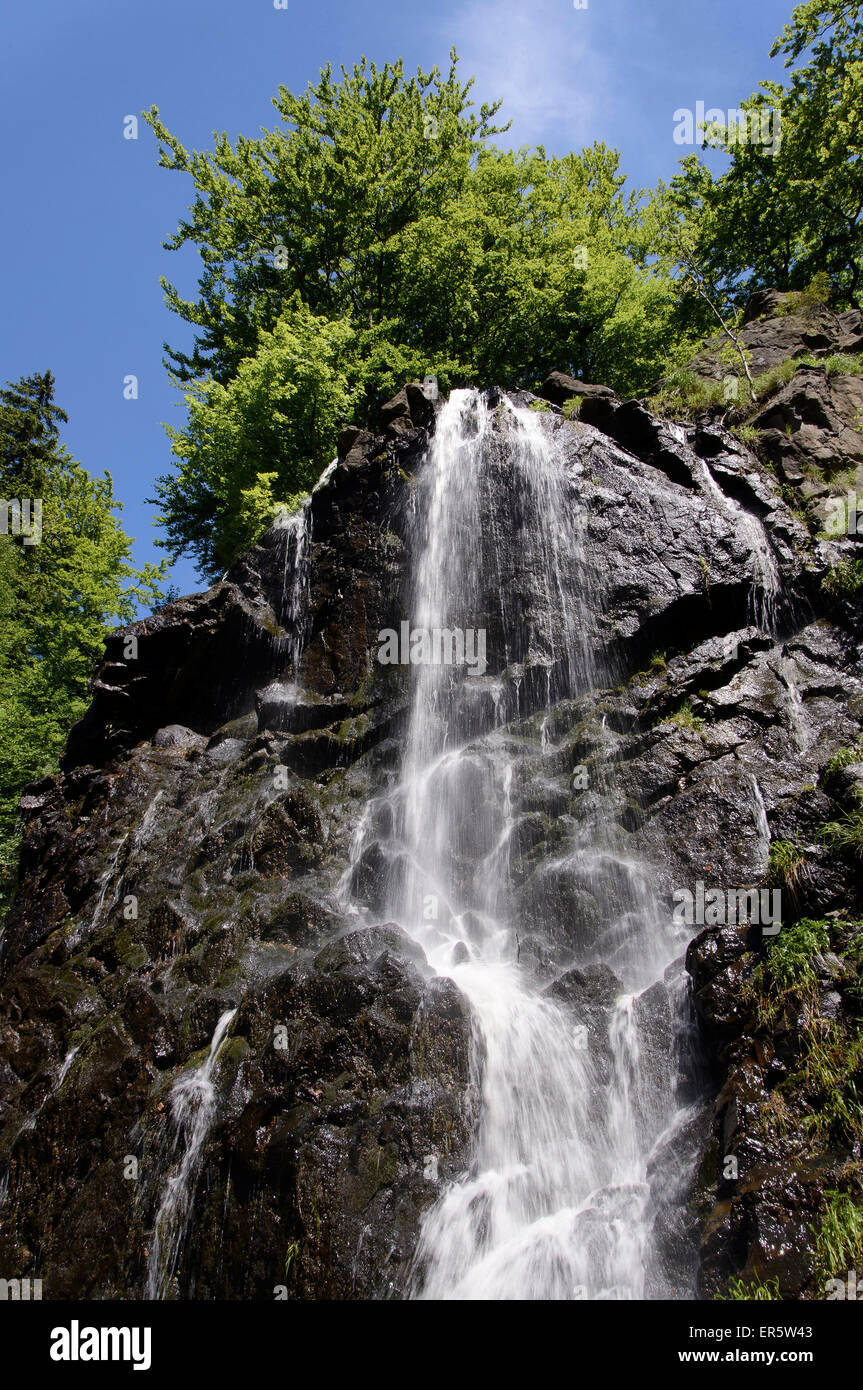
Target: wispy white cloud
{"type": "Point", "coordinates": [538, 57]}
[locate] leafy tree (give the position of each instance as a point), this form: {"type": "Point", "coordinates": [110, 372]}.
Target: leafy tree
{"type": "Point", "coordinates": [261, 441]}
{"type": "Point", "coordinates": [377, 235]}
{"type": "Point", "coordinates": [318, 204]}
{"type": "Point", "coordinates": [58, 596]}
{"type": "Point", "coordinates": [539, 263]}
{"type": "Point", "coordinates": [787, 208]}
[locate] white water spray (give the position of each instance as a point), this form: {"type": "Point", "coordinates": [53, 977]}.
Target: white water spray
{"type": "Point", "coordinates": [556, 1202]}
{"type": "Point", "coordinates": [193, 1104]}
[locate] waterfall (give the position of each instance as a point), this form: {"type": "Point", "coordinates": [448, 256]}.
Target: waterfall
{"type": "Point", "coordinates": [31, 1121]}
{"type": "Point", "coordinates": [296, 567]}
{"type": "Point", "coordinates": [193, 1104]}
{"type": "Point", "coordinates": [105, 881]}
{"type": "Point", "coordinates": [556, 1203]}
{"type": "Point", "coordinates": [295, 575]}
{"type": "Point", "coordinates": [765, 581]}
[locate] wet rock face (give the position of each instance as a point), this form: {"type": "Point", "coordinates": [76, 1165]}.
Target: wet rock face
{"type": "Point", "coordinates": [783, 1144]}
{"type": "Point", "coordinates": [192, 859]}
{"type": "Point", "coordinates": [186, 864]}
{"type": "Point", "coordinates": [345, 1113]}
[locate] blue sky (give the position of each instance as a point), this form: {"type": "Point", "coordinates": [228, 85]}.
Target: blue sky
{"type": "Point", "coordinates": [87, 210]}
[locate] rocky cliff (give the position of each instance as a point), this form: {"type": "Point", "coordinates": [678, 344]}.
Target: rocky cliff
{"type": "Point", "coordinates": [198, 855]}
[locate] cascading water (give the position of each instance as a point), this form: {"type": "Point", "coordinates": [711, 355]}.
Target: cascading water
{"type": "Point", "coordinates": [193, 1103]}
{"type": "Point", "coordinates": [296, 527]}
{"type": "Point", "coordinates": [557, 1201]}
{"type": "Point", "coordinates": [32, 1121]}
{"type": "Point", "coordinates": [765, 581]}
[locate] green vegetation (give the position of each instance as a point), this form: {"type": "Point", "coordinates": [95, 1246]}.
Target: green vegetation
{"type": "Point", "coordinates": [684, 717]}
{"type": "Point", "coordinates": [836, 364]}
{"type": "Point", "coordinates": [831, 1078]}
{"type": "Point", "coordinates": [786, 866]}
{"type": "Point", "coordinates": [684, 394]}
{"type": "Point", "coordinates": [58, 597]}
{"type": "Point", "coordinates": [840, 1239]}
{"type": "Point", "coordinates": [787, 211]}
{"type": "Point", "coordinates": [705, 576]}
{"type": "Point", "coordinates": [846, 757]}
{"type": "Point", "coordinates": [291, 1254]}
{"type": "Point", "coordinates": [376, 235]}
{"type": "Point", "coordinates": [844, 580]}
{"type": "Point", "coordinates": [817, 1105]}
{"type": "Point", "coordinates": [825, 1087]}
{"type": "Point", "coordinates": [788, 965]}
{"type": "Point", "coordinates": [755, 1290]}
{"type": "Point", "coordinates": [257, 444]}
{"type": "Point", "coordinates": [841, 364]}
{"type": "Point", "coordinates": [845, 835]}
{"type": "Point", "coordinates": [816, 295]}
{"type": "Point", "coordinates": [747, 434]}
{"type": "Point", "coordinates": [772, 381]}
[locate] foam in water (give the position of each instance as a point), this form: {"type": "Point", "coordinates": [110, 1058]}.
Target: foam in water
{"type": "Point", "coordinates": [193, 1104]}
{"type": "Point", "coordinates": [556, 1203]}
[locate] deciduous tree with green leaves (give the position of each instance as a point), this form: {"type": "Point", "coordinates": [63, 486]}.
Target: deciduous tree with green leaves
{"type": "Point", "coordinates": [786, 211]}
{"type": "Point", "coordinates": [376, 234]}
{"type": "Point", "coordinates": [58, 597]}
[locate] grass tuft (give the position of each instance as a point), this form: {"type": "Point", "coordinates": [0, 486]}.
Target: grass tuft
{"type": "Point", "coordinates": [845, 835]}
{"type": "Point", "coordinates": [844, 580]}
{"type": "Point", "coordinates": [684, 718]}
{"type": "Point", "coordinates": [839, 1246]}
{"type": "Point", "coordinates": [757, 1290]}
{"type": "Point", "coordinates": [786, 867]}
{"type": "Point", "coordinates": [788, 964]}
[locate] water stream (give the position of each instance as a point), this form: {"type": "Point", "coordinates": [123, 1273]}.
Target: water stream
{"type": "Point", "coordinates": [193, 1105]}
{"type": "Point", "coordinates": [557, 1201]}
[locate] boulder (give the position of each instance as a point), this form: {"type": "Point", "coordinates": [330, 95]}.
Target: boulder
{"type": "Point", "coordinates": [560, 388]}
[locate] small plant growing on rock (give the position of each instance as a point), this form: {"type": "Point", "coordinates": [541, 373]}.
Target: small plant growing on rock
{"type": "Point", "coordinates": [776, 377]}
{"type": "Point", "coordinates": [683, 394]}
{"type": "Point", "coordinates": [685, 717]}
{"type": "Point", "coordinates": [747, 434]}
{"type": "Point", "coordinates": [844, 580]}
{"type": "Point", "coordinates": [572, 408]}
{"type": "Point", "coordinates": [705, 576]}
{"type": "Point", "coordinates": [291, 1254]}
{"type": "Point", "coordinates": [842, 364]}
{"type": "Point", "coordinates": [846, 757]}
{"type": "Point", "coordinates": [786, 867]}
{"type": "Point", "coordinates": [845, 835]}
{"type": "Point", "coordinates": [819, 1099]}
{"type": "Point", "coordinates": [788, 964]}
{"type": "Point", "coordinates": [755, 1290]}
{"type": "Point", "coordinates": [816, 295]}
{"type": "Point", "coordinates": [840, 1240]}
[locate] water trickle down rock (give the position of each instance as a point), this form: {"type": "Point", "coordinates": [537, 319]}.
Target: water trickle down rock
{"type": "Point", "coordinates": [215, 844]}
